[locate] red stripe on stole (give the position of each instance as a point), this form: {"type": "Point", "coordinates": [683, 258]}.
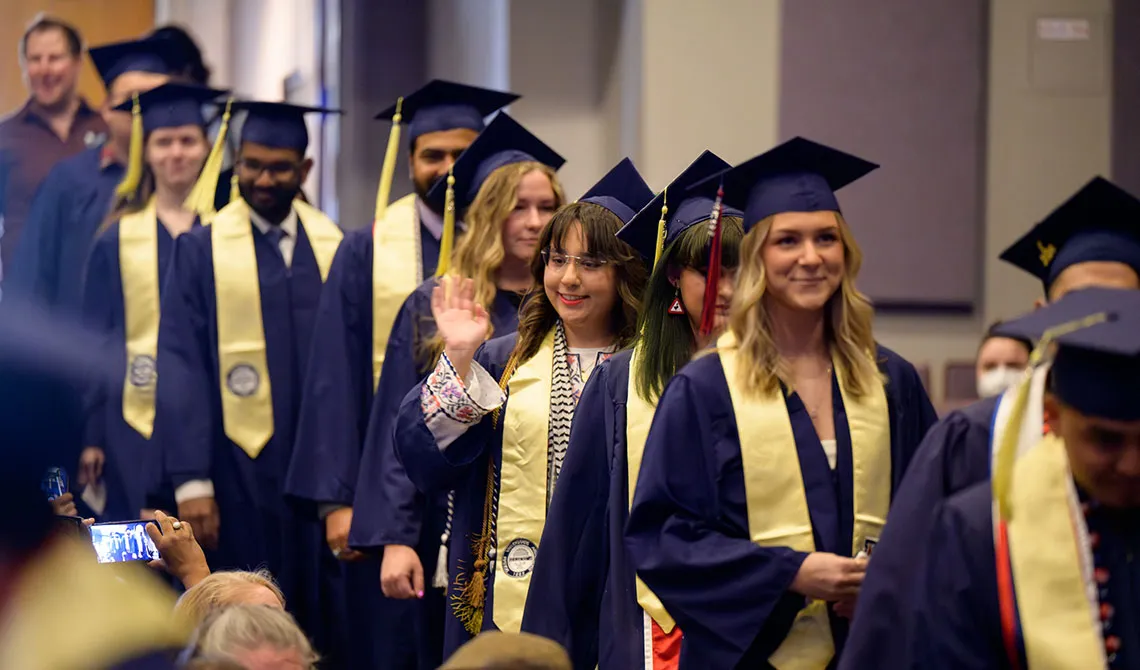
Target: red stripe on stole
{"type": "Point", "coordinates": [1006, 599]}
{"type": "Point", "coordinates": [666, 648]}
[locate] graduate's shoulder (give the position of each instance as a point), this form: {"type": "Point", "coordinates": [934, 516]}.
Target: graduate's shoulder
{"type": "Point", "coordinates": [894, 365]}
{"type": "Point", "coordinates": [80, 168]}
{"type": "Point", "coordinates": [403, 209]}
{"type": "Point", "coordinates": [970, 512]}
{"type": "Point", "coordinates": [701, 379]}
{"type": "Point", "coordinates": [495, 353]}
{"type": "Point", "coordinates": [356, 245]}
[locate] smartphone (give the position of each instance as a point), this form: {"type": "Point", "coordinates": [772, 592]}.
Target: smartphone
{"type": "Point", "coordinates": [54, 483]}
{"type": "Point", "coordinates": [122, 541]}
{"type": "Point", "coordinates": [72, 526]}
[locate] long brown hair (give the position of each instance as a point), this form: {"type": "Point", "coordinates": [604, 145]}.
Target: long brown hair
{"type": "Point", "coordinates": [848, 314]}
{"type": "Point", "coordinates": [599, 227]}
{"type": "Point", "coordinates": [479, 253]}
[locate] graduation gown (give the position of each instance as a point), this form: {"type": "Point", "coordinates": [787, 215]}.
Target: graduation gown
{"type": "Point", "coordinates": [583, 593]}
{"type": "Point", "coordinates": [65, 214]}
{"type": "Point", "coordinates": [953, 456]}
{"type": "Point", "coordinates": [133, 467]}
{"type": "Point", "coordinates": [957, 621]}
{"type": "Point", "coordinates": [688, 532]}
{"type": "Point", "coordinates": [258, 527]}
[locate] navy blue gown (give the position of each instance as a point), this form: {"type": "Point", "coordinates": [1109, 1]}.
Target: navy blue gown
{"type": "Point", "coordinates": [258, 527]}
{"type": "Point", "coordinates": [953, 456]}
{"type": "Point", "coordinates": [133, 467]}
{"type": "Point", "coordinates": [957, 621]}
{"type": "Point", "coordinates": [66, 212]}
{"type": "Point", "coordinates": [688, 536]}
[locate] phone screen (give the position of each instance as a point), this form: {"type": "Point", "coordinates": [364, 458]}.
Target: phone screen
{"type": "Point", "coordinates": [120, 541]}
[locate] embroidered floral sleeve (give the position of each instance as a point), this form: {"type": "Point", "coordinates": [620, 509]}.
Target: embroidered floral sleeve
{"type": "Point", "coordinates": [452, 405]}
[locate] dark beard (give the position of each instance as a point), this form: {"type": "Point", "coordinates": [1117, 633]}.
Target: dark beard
{"type": "Point", "coordinates": [422, 193]}
{"type": "Point", "coordinates": [276, 212]}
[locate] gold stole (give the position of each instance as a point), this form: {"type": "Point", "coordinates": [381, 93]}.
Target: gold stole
{"type": "Point", "coordinates": [247, 403]}
{"type": "Point", "coordinates": [522, 484]}
{"type": "Point", "coordinates": [396, 272]}
{"type": "Point", "coordinates": [1051, 568]}
{"type": "Point", "coordinates": [1031, 420]}
{"type": "Point", "coordinates": [138, 269]}
{"type": "Point", "coordinates": [638, 418]}
{"type": "Point", "coordinates": [777, 505]}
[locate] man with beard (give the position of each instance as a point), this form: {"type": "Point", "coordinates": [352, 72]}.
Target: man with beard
{"type": "Point", "coordinates": [374, 271]}
{"type": "Point", "coordinates": [238, 315]}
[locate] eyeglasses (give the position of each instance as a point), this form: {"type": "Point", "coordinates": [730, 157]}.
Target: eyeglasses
{"type": "Point", "coordinates": [279, 171]}
{"type": "Point", "coordinates": [558, 261]}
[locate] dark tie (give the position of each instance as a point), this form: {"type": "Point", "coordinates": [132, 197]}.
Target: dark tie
{"type": "Point", "coordinates": [275, 235]}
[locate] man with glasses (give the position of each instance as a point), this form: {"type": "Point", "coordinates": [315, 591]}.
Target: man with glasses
{"type": "Point", "coordinates": [238, 314]}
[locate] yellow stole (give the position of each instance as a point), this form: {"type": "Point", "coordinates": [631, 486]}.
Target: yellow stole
{"type": "Point", "coordinates": [777, 505]}
{"type": "Point", "coordinates": [638, 418]}
{"type": "Point", "coordinates": [1052, 568]}
{"type": "Point", "coordinates": [1031, 421]}
{"type": "Point", "coordinates": [125, 612]}
{"type": "Point", "coordinates": [247, 403]}
{"type": "Point", "coordinates": [396, 271]}
{"type": "Point", "coordinates": [138, 269]}
{"type": "Point", "coordinates": [522, 484]}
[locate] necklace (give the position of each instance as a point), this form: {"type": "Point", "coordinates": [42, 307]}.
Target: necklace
{"type": "Point", "coordinates": [814, 413]}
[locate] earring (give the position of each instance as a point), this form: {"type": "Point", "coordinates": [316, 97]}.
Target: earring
{"type": "Point", "coordinates": [675, 307]}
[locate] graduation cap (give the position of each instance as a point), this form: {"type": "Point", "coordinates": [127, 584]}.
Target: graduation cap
{"type": "Point", "coordinates": [675, 209]}
{"type": "Point", "coordinates": [145, 55]}
{"type": "Point", "coordinates": [798, 176]}
{"type": "Point", "coordinates": [166, 106]}
{"type": "Point", "coordinates": [280, 125]}
{"type": "Point", "coordinates": [622, 191]}
{"type": "Point", "coordinates": [436, 106]}
{"type": "Point", "coordinates": [1101, 222]}
{"type": "Point", "coordinates": [1097, 361]}
{"type": "Point", "coordinates": [172, 105]}
{"type": "Point", "coordinates": [504, 142]}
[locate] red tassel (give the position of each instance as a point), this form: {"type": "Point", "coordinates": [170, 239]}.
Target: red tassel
{"type": "Point", "coordinates": [712, 277]}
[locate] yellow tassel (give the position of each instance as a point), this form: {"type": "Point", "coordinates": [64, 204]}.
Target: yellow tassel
{"type": "Point", "coordinates": [384, 191]}
{"type": "Point", "coordinates": [201, 198]}
{"type": "Point", "coordinates": [135, 158]}
{"type": "Point", "coordinates": [1007, 454]}
{"type": "Point", "coordinates": [446, 240]}
{"type": "Point", "coordinates": [661, 228]}
{"type": "Point", "coordinates": [235, 188]}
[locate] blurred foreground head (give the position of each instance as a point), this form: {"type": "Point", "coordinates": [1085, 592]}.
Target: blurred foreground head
{"type": "Point", "coordinates": [495, 650]}
{"type": "Point", "coordinates": [45, 364]}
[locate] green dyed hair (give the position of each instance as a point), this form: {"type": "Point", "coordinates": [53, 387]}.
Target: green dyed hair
{"type": "Point", "coordinates": [670, 338]}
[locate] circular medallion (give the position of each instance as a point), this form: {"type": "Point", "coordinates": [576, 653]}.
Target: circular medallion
{"type": "Point", "coordinates": [518, 559]}
{"type": "Point", "coordinates": [243, 380]}
{"type": "Point", "coordinates": [142, 371]}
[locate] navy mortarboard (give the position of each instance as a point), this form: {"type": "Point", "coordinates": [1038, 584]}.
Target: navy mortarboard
{"type": "Point", "coordinates": [437, 106]}
{"type": "Point", "coordinates": [1097, 363]}
{"type": "Point", "coordinates": [504, 142]}
{"type": "Point", "coordinates": [279, 125]}
{"type": "Point", "coordinates": [622, 191]}
{"type": "Point", "coordinates": [146, 55]}
{"type": "Point", "coordinates": [1101, 222]}
{"type": "Point", "coordinates": [798, 176]}
{"type": "Point", "coordinates": [172, 105]}
{"type": "Point", "coordinates": [664, 218]}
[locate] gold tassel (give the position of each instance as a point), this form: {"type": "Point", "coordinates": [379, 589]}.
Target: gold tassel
{"type": "Point", "coordinates": [384, 191]}
{"type": "Point", "coordinates": [446, 240]}
{"type": "Point", "coordinates": [235, 188]}
{"type": "Point", "coordinates": [1007, 456]}
{"type": "Point", "coordinates": [201, 198]}
{"type": "Point", "coordinates": [131, 180]}
{"type": "Point", "coordinates": [661, 227]}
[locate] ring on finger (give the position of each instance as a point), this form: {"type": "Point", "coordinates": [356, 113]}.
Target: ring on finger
{"type": "Point", "coordinates": [177, 525]}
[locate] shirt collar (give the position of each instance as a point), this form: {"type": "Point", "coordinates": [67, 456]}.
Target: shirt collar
{"type": "Point", "coordinates": [431, 221]}
{"type": "Point", "coordinates": [288, 226]}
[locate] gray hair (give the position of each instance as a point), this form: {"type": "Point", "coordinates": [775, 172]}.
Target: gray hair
{"type": "Point", "coordinates": [239, 628]}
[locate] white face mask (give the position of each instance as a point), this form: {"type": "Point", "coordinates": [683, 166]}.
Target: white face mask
{"type": "Point", "coordinates": [996, 380]}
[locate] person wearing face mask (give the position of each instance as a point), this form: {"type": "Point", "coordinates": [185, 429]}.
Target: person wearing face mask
{"type": "Point", "coordinates": [343, 466]}
{"type": "Point", "coordinates": [76, 196]}
{"type": "Point", "coordinates": [589, 603]}
{"type": "Point", "coordinates": [491, 422]}
{"type": "Point", "coordinates": [122, 290]}
{"type": "Point", "coordinates": [1001, 362]}
{"type": "Point", "coordinates": [1035, 568]}
{"type": "Point", "coordinates": [770, 462]}
{"type": "Point", "coordinates": [238, 313]}
{"type": "Point", "coordinates": [1092, 239]}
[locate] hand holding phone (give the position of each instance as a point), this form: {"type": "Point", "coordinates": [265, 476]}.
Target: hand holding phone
{"type": "Point", "coordinates": [122, 541]}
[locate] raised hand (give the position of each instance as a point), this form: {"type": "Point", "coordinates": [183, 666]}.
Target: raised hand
{"type": "Point", "coordinates": [461, 322]}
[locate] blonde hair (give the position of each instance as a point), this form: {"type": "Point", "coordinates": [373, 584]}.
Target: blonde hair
{"type": "Point", "coordinates": [847, 329]}
{"type": "Point", "coordinates": [221, 590]}
{"type": "Point", "coordinates": [238, 628]}
{"type": "Point", "coordinates": [479, 253]}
